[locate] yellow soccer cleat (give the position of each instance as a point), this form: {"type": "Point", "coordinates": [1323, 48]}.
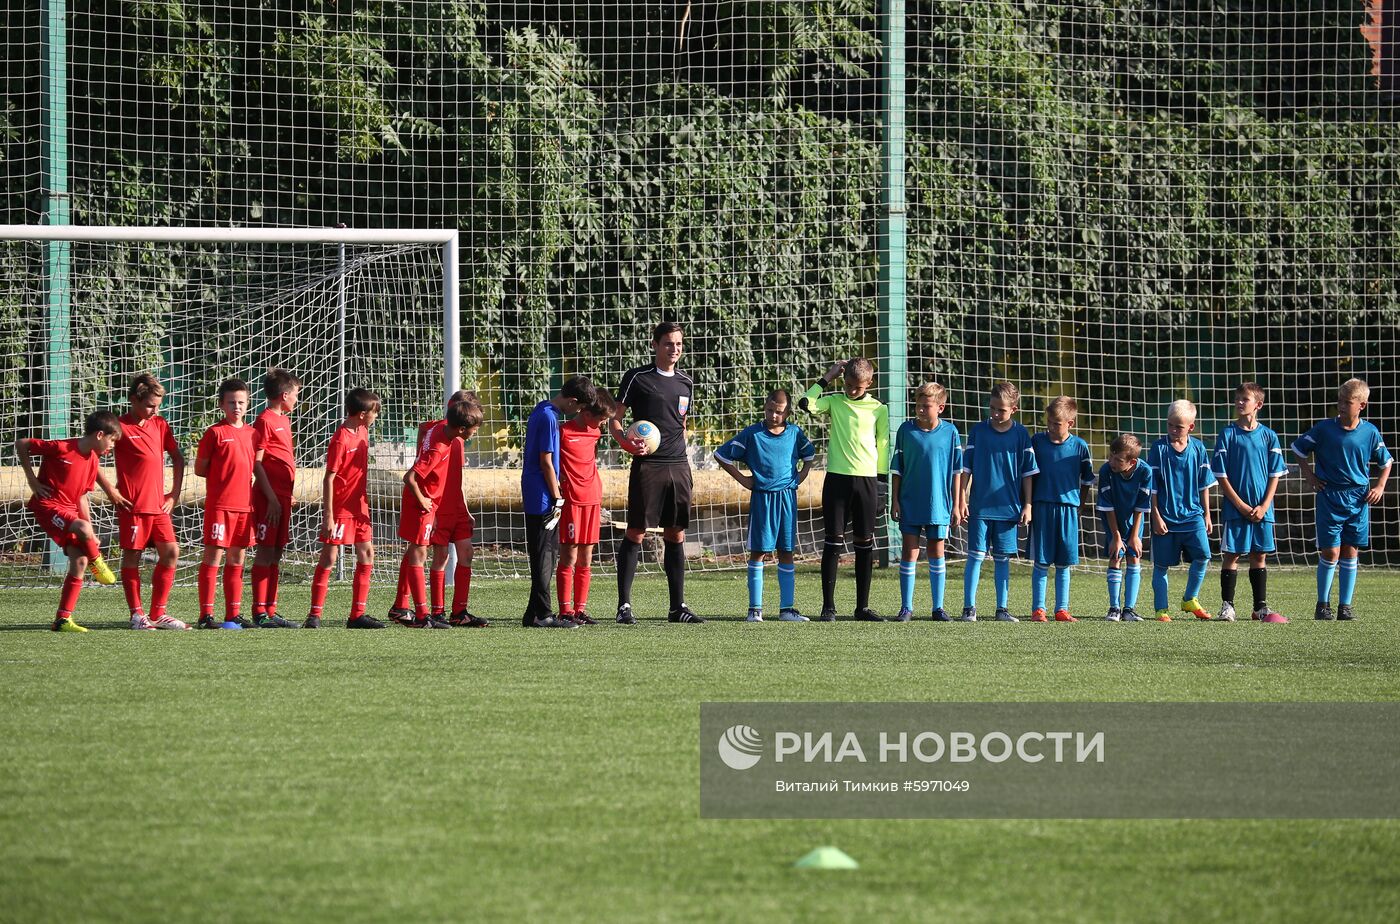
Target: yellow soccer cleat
{"type": "Point", "coordinates": [1164, 616]}
{"type": "Point", "coordinates": [66, 624]}
{"type": "Point", "coordinates": [101, 571]}
{"type": "Point", "coordinates": [1194, 608]}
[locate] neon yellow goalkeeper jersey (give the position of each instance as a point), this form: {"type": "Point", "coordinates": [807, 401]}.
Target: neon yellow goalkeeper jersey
{"type": "Point", "coordinates": [860, 432]}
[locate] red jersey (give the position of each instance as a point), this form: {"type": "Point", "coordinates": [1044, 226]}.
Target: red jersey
{"type": "Point", "coordinates": [434, 460]}
{"type": "Point", "coordinates": [348, 457]}
{"type": "Point", "coordinates": [275, 431]}
{"type": "Point", "coordinates": [578, 463]}
{"type": "Point", "coordinates": [140, 457]}
{"type": "Point", "coordinates": [66, 470]}
{"type": "Point", "coordinates": [452, 498]}
{"type": "Point", "coordinates": [230, 451]}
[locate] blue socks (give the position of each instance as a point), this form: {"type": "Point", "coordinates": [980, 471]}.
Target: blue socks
{"type": "Point", "coordinates": [907, 570]}
{"type": "Point", "coordinates": [1132, 582]}
{"type": "Point", "coordinates": [755, 584]}
{"type": "Point", "coordinates": [1001, 573]}
{"type": "Point", "coordinates": [1061, 589]}
{"type": "Point", "coordinates": [937, 580]}
{"type": "Point", "coordinates": [787, 586]}
{"type": "Point", "coordinates": [1115, 587]}
{"type": "Point", "coordinates": [972, 574]}
{"type": "Point", "coordinates": [1326, 570]}
{"type": "Point", "coordinates": [1039, 574]}
{"type": "Point", "coordinates": [1159, 587]}
{"type": "Point", "coordinates": [1346, 580]}
{"type": "Point", "coordinates": [1195, 578]}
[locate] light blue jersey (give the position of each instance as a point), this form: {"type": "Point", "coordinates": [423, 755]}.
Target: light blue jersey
{"type": "Point", "coordinates": [772, 458]}
{"type": "Point", "coordinates": [997, 462]}
{"type": "Point", "coordinates": [1343, 458]}
{"type": "Point", "coordinates": [926, 462]}
{"type": "Point", "coordinates": [1178, 478]}
{"type": "Point", "coordinates": [1248, 460]}
{"type": "Point", "coordinates": [1065, 468]}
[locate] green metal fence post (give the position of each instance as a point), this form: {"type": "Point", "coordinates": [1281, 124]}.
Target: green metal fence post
{"type": "Point", "coordinates": [58, 255]}
{"type": "Point", "coordinates": [894, 334]}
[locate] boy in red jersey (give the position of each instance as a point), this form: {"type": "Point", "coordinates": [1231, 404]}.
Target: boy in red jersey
{"type": "Point", "coordinates": [143, 506]}
{"type": "Point", "coordinates": [60, 503]}
{"type": "Point", "coordinates": [582, 490]}
{"type": "Point", "coordinates": [275, 468]}
{"type": "Point", "coordinates": [424, 484]}
{"type": "Point", "coordinates": [225, 460]}
{"type": "Point", "coordinates": [345, 516]}
{"type": "Point", "coordinates": [453, 528]}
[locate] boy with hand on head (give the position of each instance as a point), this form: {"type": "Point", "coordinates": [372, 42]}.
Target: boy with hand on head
{"type": "Point", "coordinates": [1248, 462]}
{"type": "Point", "coordinates": [1065, 468]}
{"type": "Point", "coordinates": [60, 503]}
{"type": "Point", "coordinates": [143, 508]}
{"type": "Point", "coordinates": [1343, 449]}
{"type": "Point", "coordinates": [1181, 480]}
{"type": "Point", "coordinates": [779, 457]}
{"type": "Point", "coordinates": [225, 459]}
{"type": "Point", "coordinates": [583, 505]}
{"type": "Point", "coordinates": [345, 518]}
{"type": "Point", "coordinates": [453, 531]}
{"type": "Point", "coordinates": [998, 468]}
{"type": "Point", "coordinates": [275, 468]}
{"type": "Point", "coordinates": [926, 496]}
{"type": "Point", "coordinates": [1124, 500]}
{"type": "Point", "coordinates": [858, 453]}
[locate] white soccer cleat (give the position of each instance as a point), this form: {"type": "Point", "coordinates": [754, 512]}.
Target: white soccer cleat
{"type": "Point", "coordinates": [755, 615]}
{"type": "Point", "coordinates": [168, 622]}
{"type": "Point", "coordinates": [1227, 612]}
{"type": "Point", "coordinates": [140, 622]}
{"type": "Point", "coordinates": [791, 615]}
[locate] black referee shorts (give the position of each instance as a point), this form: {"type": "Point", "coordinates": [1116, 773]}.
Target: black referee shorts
{"type": "Point", "coordinates": [658, 494]}
{"type": "Point", "coordinates": [853, 499]}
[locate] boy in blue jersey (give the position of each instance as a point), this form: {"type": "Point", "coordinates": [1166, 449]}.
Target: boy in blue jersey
{"type": "Point", "coordinates": [779, 456]}
{"type": "Point", "coordinates": [926, 494]}
{"type": "Point", "coordinates": [1065, 467]}
{"type": "Point", "coordinates": [998, 465]}
{"type": "Point", "coordinates": [1124, 500]}
{"type": "Point", "coordinates": [1181, 480]}
{"type": "Point", "coordinates": [1248, 462]}
{"type": "Point", "coordinates": [1343, 447]}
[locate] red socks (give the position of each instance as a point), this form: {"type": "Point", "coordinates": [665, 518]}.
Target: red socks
{"type": "Point", "coordinates": [359, 593]}
{"type": "Point", "coordinates": [438, 582]}
{"type": "Point", "coordinates": [68, 597]}
{"type": "Point", "coordinates": [405, 586]}
{"type": "Point", "coordinates": [582, 578]}
{"type": "Point", "coordinates": [131, 586]}
{"type": "Point", "coordinates": [418, 588]}
{"type": "Point", "coordinates": [208, 587]}
{"type": "Point", "coordinates": [564, 584]}
{"type": "Point", "coordinates": [233, 592]}
{"type": "Point", "coordinates": [265, 588]}
{"type": "Point", "coordinates": [320, 586]}
{"type": "Point", "coordinates": [162, 579]}
{"type": "Point", "coordinates": [461, 587]}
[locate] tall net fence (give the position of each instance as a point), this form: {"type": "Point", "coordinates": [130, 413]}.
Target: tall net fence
{"type": "Point", "coordinates": [1123, 204]}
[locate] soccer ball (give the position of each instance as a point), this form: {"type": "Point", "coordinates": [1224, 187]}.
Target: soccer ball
{"type": "Point", "coordinates": [645, 431]}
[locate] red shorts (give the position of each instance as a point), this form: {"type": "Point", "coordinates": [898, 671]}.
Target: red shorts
{"type": "Point", "coordinates": [136, 531]}
{"type": "Point", "coordinates": [415, 526]}
{"type": "Point", "coordinates": [228, 529]}
{"type": "Point", "coordinates": [579, 524]}
{"type": "Point", "coordinates": [453, 527]}
{"type": "Point", "coordinates": [54, 519]}
{"type": "Point", "coordinates": [268, 534]}
{"type": "Point", "coordinates": [350, 531]}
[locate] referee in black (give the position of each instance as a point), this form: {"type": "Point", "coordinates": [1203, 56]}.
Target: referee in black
{"type": "Point", "coordinates": [658, 490]}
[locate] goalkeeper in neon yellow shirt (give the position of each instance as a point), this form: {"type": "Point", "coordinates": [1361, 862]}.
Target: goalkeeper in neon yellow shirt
{"type": "Point", "coordinates": [858, 454]}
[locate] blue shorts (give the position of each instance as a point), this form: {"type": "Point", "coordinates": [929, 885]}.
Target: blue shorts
{"type": "Point", "coordinates": [1239, 537]}
{"type": "Point", "coordinates": [773, 521]}
{"type": "Point", "coordinates": [1108, 537]}
{"type": "Point", "coordinates": [1170, 549]}
{"type": "Point", "coordinates": [1343, 518]}
{"type": "Point", "coordinates": [997, 537]}
{"type": "Point", "coordinates": [1055, 535]}
{"type": "Point", "coordinates": [931, 530]}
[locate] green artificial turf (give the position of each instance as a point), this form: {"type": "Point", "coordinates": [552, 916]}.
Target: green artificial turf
{"type": "Point", "coordinates": [506, 773]}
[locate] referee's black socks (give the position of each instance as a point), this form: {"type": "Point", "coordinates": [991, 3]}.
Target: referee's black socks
{"type": "Point", "coordinates": [831, 564]}
{"type": "Point", "coordinates": [865, 564]}
{"type": "Point", "coordinates": [674, 565]}
{"type": "Point", "coordinates": [629, 554]}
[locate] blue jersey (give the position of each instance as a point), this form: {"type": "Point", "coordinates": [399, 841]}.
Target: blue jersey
{"type": "Point", "coordinates": [1343, 457]}
{"type": "Point", "coordinates": [997, 462]}
{"type": "Point", "coordinates": [772, 458]}
{"type": "Point", "coordinates": [1125, 495]}
{"type": "Point", "coordinates": [1178, 478]}
{"type": "Point", "coordinates": [541, 435]}
{"type": "Point", "coordinates": [1064, 469]}
{"type": "Point", "coordinates": [1248, 460]}
{"type": "Point", "coordinates": [926, 462]}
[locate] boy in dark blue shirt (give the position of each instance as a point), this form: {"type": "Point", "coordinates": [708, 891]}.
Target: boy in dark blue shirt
{"type": "Point", "coordinates": [1124, 500]}
{"type": "Point", "coordinates": [926, 491]}
{"type": "Point", "coordinates": [1181, 480]}
{"type": "Point", "coordinates": [1065, 467]}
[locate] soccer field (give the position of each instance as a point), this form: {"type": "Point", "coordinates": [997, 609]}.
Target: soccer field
{"type": "Point", "coordinates": [506, 774]}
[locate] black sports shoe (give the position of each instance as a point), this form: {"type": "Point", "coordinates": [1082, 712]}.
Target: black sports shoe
{"type": "Point", "coordinates": [364, 621]}
{"type": "Point", "coordinates": [866, 614]}
{"type": "Point", "coordinates": [584, 619]}
{"type": "Point", "coordinates": [427, 622]}
{"type": "Point", "coordinates": [1323, 611]}
{"type": "Point", "coordinates": [941, 615]}
{"type": "Point", "coordinates": [464, 620]}
{"type": "Point", "coordinates": [272, 621]}
{"type": "Point", "coordinates": [1344, 613]}
{"type": "Point", "coordinates": [402, 617]}
{"type": "Point", "coordinates": [827, 616]}
{"type": "Point", "coordinates": [312, 622]}
{"type": "Point", "coordinates": [553, 622]}
{"type": "Point", "coordinates": [243, 621]}
{"type": "Point", "coordinates": [683, 613]}
{"type": "Point", "coordinates": [439, 615]}
{"type": "Point", "coordinates": [624, 615]}
{"type": "Point", "coordinates": [208, 622]}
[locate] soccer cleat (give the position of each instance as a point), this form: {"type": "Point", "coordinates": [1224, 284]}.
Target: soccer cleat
{"type": "Point", "coordinates": [101, 572]}
{"type": "Point", "coordinates": [210, 622]}
{"type": "Point", "coordinates": [439, 615]}
{"type": "Point", "coordinates": [170, 622]}
{"type": "Point", "coordinates": [755, 614]}
{"type": "Point", "coordinates": [1267, 614]}
{"type": "Point", "coordinates": [941, 615]}
{"type": "Point", "coordinates": [1227, 612]}
{"type": "Point", "coordinates": [464, 620]}
{"type": "Point", "coordinates": [580, 617]}
{"type": "Point", "coordinates": [1064, 616]}
{"type": "Point", "coordinates": [551, 622]}
{"type": "Point", "coordinates": [66, 624]}
{"type": "Point", "coordinates": [827, 616]}
{"type": "Point", "coordinates": [904, 615]}
{"type": "Point", "coordinates": [1004, 615]}
{"type": "Point", "coordinates": [401, 616]}
{"type": "Point", "coordinates": [1131, 615]}
{"type": "Point", "coordinates": [969, 614]}
{"type": "Point", "coordinates": [140, 622]}
{"type": "Point", "coordinates": [364, 621]}
{"type": "Point", "coordinates": [243, 622]}
{"type": "Point", "coordinates": [1323, 611]}
{"type": "Point", "coordinates": [683, 613]}
{"type": "Point", "coordinates": [1038, 616]}
{"type": "Point", "coordinates": [311, 622]}
{"type": "Point", "coordinates": [1164, 616]}
{"type": "Point", "coordinates": [1193, 606]}
{"type": "Point", "coordinates": [1344, 613]}
{"type": "Point", "coordinates": [624, 615]}
{"type": "Point", "coordinates": [273, 621]}
{"type": "Point", "coordinates": [791, 615]}
{"type": "Point", "coordinates": [1114, 614]}
{"type": "Point", "coordinates": [866, 614]}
